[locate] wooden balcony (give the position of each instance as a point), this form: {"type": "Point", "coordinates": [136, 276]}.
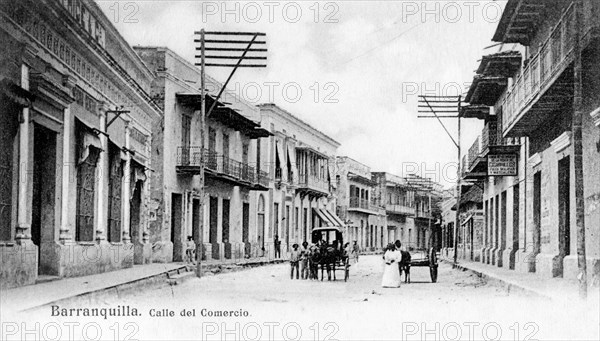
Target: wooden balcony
{"type": "Point", "coordinates": [474, 166]}
{"type": "Point", "coordinates": [546, 82]}
{"type": "Point", "coordinates": [312, 185]}
{"type": "Point", "coordinates": [492, 141]}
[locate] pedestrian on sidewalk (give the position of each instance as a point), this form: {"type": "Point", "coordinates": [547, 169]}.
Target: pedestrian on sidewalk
{"type": "Point", "coordinates": [190, 250]}
{"type": "Point", "coordinates": [294, 260]}
{"type": "Point", "coordinates": [277, 247]}
{"type": "Point", "coordinates": [304, 253]}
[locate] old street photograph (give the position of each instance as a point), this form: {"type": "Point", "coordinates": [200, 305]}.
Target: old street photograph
{"type": "Point", "coordinates": [299, 170]}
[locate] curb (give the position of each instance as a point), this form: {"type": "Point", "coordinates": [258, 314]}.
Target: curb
{"type": "Point", "coordinates": [176, 276]}
{"type": "Point", "coordinates": [507, 285]}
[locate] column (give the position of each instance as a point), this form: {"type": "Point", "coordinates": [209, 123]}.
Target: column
{"type": "Point", "coordinates": [65, 231]}
{"type": "Point", "coordinates": [146, 192]}
{"type": "Point", "coordinates": [23, 235]}
{"type": "Point", "coordinates": [102, 178]}
{"type": "Point", "coordinates": [126, 196]}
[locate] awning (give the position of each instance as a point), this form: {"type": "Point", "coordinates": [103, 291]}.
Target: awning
{"type": "Point", "coordinates": [279, 155]}
{"type": "Point", "coordinates": [292, 162]}
{"type": "Point", "coordinates": [90, 142]}
{"type": "Point", "coordinates": [16, 93]}
{"type": "Point", "coordinates": [329, 218]}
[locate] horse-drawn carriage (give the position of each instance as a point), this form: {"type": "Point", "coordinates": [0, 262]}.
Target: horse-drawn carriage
{"type": "Point", "coordinates": [328, 253]}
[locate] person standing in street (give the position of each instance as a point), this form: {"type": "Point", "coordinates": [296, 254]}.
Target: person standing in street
{"type": "Point", "coordinates": [294, 260]}
{"type": "Point", "coordinates": [277, 243]}
{"type": "Point", "coordinates": [304, 253]}
{"type": "Point", "coordinates": [355, 251]}
{"type": "Point", "coordinates": [190, 250]}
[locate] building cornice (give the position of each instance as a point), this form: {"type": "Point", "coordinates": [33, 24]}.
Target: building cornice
{"type": "Point", "coordinates": [282, 112]}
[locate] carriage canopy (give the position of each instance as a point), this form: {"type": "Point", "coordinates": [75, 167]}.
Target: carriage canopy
{"type": "Point", "coordinates": [328, 234]}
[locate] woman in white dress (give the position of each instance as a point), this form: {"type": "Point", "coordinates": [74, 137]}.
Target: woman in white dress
{"type": "Point", "coordinates": [391, 275]}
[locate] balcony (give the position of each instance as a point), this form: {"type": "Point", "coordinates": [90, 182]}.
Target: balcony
{"type": "Point", "coordinates": [492, 141]}
{"type": "Point", "coordinates": [362, 205]}
{"type": "Point", "coordinates": [189, 161]}
{"type": "Point", "coordinates": [474, 166]}
{"type": "Point", "coordinates": [424, 214]}
{"type": "Point", "coordinates": [543, 86]}
{"type": "Point", "coordinates": [312, 185]}
{"type": "Point", "coordinates": [400, 209]}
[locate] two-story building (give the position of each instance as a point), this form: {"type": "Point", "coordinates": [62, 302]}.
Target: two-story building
{"type": "Point", "coordinates": [539, 155]}
{"type": "Point", "coordinates": [301, 194]}
{"type": "Point", "coordinates": [398, 198]}
{"type": "Point", "coordinates": [75, 133]}
{"type": "Point", "coordinates": [356, 205]}
{"type": "Point", "coordinates": [234, 183]}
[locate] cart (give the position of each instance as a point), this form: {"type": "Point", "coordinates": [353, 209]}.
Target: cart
{"type": "Point", "coordinates": [428, 259]}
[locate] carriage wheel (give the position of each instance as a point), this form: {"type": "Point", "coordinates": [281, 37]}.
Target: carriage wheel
{"type": "Point", "coordinates": [432, 257]}
{"type": "Point", "coordinates": [433, 272]}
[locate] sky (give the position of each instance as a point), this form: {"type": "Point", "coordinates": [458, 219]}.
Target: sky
{"type": "Point", "coordinates": [352, 69]}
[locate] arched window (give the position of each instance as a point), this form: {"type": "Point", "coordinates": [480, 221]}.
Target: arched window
{"type": "Point", "coordinates": [260, 222]}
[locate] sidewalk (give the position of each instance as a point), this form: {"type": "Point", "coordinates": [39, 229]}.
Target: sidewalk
{"type": "Point", "coordinates": [113, 283]}
{"type": "Point", "coordinates": [558, 289]}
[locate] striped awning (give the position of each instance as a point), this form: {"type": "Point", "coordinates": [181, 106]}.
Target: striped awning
{"type": "Point", "coordinates": [328, 217]}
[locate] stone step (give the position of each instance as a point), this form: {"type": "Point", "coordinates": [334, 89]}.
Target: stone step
{"type": "Point", "coordinates": [46, 278]}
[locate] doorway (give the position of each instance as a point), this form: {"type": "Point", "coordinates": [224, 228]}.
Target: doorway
{"type": "Point", "coordinates": [176, 224]}
{"type": "Point", "coordinates": [213, 216]}
{"type": "Point", "coordinates": [134, 219]}
{"type": "Point", "coordinates": [225, 231]}
{"type": "Point", "coordinates": [564, 212]}
{"type": "Point", "coordinates": [537, 219]}
{"type": "Point", "coordinates": [246, 228]}
{"type": "Point", "coordinates": [196, 227]}
{"type": "Point", "coordinates": [44, 199]}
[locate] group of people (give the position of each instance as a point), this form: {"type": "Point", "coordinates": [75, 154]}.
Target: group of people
{"type": "Point", "coordinates": [396, 262]}
{"type": "Point", "coordinates": [303, 261]}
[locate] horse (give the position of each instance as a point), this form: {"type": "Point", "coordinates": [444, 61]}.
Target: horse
{"type": "Point", "coordinates": [405, 266]}
{"type": "Point", "coordinates": [314, 259]}
{"type": "Point", "coordinates": [329, 257]}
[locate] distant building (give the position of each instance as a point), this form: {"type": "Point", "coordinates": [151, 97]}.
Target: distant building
{"type": "Point", "coordinates": [301, 194]}
{"type": "Point", "coordinates": [235, 184]}
{"type": "Point", "coordinates": [357, 204]}
{"type": "Point", "coordinates": [73, 168]}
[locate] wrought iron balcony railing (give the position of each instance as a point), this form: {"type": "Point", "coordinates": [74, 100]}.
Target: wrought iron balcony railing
{"type": "Point", "coordinates": [400, 209]}
{"type": "Point", "coordinates": [189, 159]}
{"type": "Point", "coordinates": [359, 203]}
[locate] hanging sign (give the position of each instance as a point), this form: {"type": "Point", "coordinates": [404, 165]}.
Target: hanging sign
{"type": "Point", "coordinates": [502, 165]}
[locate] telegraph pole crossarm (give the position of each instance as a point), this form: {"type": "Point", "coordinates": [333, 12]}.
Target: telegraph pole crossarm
{"type": "Point", "coordinates": [227, 42]}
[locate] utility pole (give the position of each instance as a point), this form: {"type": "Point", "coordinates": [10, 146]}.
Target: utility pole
{"type": "Point", "coordinates": [199, 235]}
{"type": "Point", "coordinates": [223, 42]}
{"type": "Point", "coordinates": [578, 153]}
{"type": "Point", "coordinates": [447, 105]}
{"type": "Point", "coordinates": [458, 186]}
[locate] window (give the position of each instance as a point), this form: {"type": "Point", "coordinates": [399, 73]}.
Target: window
{"type": "Point", "coordinates": [114, 194]}
{"type": "Point", "coordinates": [186, 123]}
{"type": "Point", "coordinates": [275, 219]}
